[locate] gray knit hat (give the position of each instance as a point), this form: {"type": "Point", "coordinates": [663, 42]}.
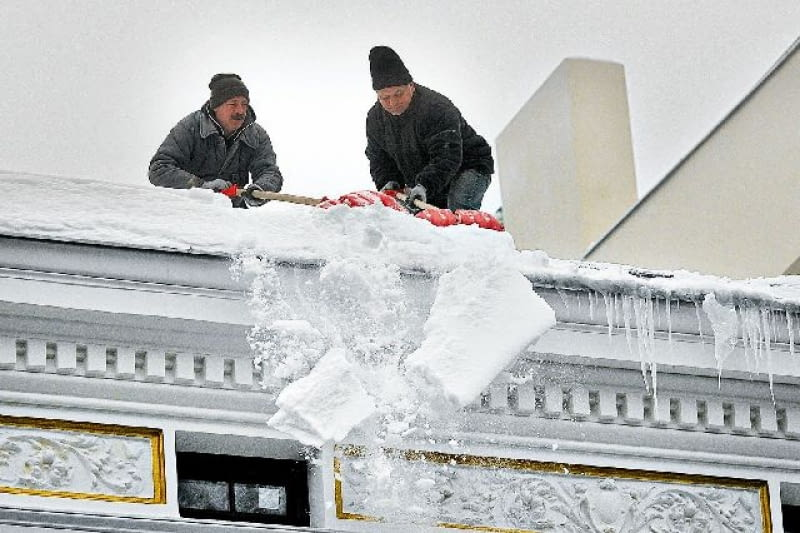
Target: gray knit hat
{"type": "Point", "coordinates": [387, 69]}
{"type": "Point", "coordinates": [224, 87]}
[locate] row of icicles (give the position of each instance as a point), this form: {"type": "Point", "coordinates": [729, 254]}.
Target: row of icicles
{"type": "Point", "coordinates": [753, 328]}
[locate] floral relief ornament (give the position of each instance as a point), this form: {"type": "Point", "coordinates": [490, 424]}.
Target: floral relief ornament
{"type": "Point", "coordinates": [72, 463]}
{"type": "Point", "coordinates": [542, 502]}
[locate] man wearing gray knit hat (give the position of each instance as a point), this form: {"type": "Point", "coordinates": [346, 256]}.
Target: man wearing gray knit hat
{"type": "Point", "coordinates": [218, 146]}
{"type": "Point", "coordinates": [418, 142]}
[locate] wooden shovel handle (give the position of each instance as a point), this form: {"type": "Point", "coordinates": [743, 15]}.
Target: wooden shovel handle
{"type": "Point", "coordinates": [281, 197]}
{"type": "Point", "coordinates": [419, 203]}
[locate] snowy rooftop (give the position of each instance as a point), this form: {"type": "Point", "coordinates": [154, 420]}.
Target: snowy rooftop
{"type": "Point", "coordinates": [202, 222]}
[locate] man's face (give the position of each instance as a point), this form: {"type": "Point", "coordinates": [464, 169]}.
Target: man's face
{"type": "Point", "coordinates": [231, 113]}
{"type": "Point", "coordinates": [396, 99]}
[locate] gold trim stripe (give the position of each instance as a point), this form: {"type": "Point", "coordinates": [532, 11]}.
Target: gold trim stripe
{"type": "Point", "coordinates": [155, 436]}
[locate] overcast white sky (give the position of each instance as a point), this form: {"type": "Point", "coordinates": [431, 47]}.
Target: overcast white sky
{"type": "Point", "coordinates": [91, 87]}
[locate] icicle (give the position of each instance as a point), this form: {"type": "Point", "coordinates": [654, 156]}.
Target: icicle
{"type": "Point", "coordinates": [609, 314]}
{"type": "Point", "coordinates": [725, 324]}
{"type": "Point", "coordinates": [591, 306]}
{"type": "Point", "coordinates": [651, 331]}
{"type": "Point", "coordinates": [626, 316]}
{"type": "Point", "coordinates": [699, 321]}
{"type": "Point", "coordinates": [651, 346]}
{"type": "Point", "coordinates": [753, 336]}
{"type": "Point", "coordinates": [668, 304]}
{"type": "Point", "coordinates": [563, 299]}
{"type": "Point", "coordinates": [759, 331]}
{"type": "Point", "coordinates": [654, 377]}
{"type": "Point", "coordinates": [790, 329]}
{"type": "Point", "coordinates": [773, 324]}
{"type": "Point", "coordinates": [766, 318]}
{"type": "Point", "coordinates": [645, 334]}
{"type": "Point", "coordinates": [740, 319]}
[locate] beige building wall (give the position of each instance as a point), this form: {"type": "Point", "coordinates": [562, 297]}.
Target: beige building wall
{"type": "Point", "coordinates": [566, 160]}
{"type": "Point", "coordinates": [732, 206]}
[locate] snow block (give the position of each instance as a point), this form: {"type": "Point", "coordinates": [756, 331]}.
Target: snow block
{"type": "Point", "coordinates": [324, 405]}
{"type": "Point", "coordinates": [483, 317]}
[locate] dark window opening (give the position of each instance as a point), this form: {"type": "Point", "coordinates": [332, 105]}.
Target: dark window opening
{"type": "Point", "coordinates": [791, 518]}
{"type": "Point", "coordinates": [250, 489]}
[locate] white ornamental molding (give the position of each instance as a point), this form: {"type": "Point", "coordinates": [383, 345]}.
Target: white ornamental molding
{"type": "Point", "coordinates": [509, 495]}
{"type": "Point", "coordinates": [58, 458]}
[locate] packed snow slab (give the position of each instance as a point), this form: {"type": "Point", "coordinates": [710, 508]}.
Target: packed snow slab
{"type": "Point", "coordinates": [324, 405]}
{"type": "Point", "coordinates": [484, 316]}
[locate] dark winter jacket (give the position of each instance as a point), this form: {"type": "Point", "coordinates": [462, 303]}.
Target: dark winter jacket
{"type": "Point", "coordinates": [195, 151]}
{"type": "Point", "coordinates": [430, 143]}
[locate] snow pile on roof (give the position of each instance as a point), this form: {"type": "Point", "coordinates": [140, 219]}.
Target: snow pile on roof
{"type": "Point", "coordinates": [200, 221]}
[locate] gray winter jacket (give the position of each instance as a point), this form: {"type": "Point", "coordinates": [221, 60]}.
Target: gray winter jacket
{"type": "Point", "coordinates": [195, 151]}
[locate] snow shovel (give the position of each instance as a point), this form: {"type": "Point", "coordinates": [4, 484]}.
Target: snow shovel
{"type": "Point", "coordinates": [391, 199]}
{"type": "Point", "coordinates": [436, 216]}
{"type": "Point", "coordinates": [353, 199]}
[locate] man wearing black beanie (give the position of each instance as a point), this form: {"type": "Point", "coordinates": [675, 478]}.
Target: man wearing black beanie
{"type": "Point", "coordinates": [218, 146]}
{"type": "Point", "coordinates": [418, 142]}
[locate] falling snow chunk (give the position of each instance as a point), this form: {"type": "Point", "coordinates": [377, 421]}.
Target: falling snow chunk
{"type": "Point", "coordinates": [483, 317]}
{"type": "Point", "coordinates": [325, 405]}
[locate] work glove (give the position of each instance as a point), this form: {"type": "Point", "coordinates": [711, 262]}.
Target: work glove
{"type": "Point", "coordinates": [249, 199]}
{"type": "Point", "coordinates": [391, 186]}
{"type": "Point", "coordinates": [216, 185]}
{"type": "Point", "coordinates": [417, 192]}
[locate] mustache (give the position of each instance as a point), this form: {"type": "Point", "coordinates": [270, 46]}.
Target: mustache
{"type": "Point", "coordinates": [239, 116]}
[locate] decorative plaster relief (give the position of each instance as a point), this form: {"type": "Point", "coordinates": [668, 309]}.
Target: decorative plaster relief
{"type": "Point", "coordinates": [493, 494]}
{"type": "Point", "coordinates": [81, 460]}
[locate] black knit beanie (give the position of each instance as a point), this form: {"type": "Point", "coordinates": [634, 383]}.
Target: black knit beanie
{"type": "Point", "coordinates": [224, 87]}
{"type": "Point", "coordinates": [387, 69]}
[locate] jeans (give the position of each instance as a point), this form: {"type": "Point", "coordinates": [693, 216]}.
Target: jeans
{"type": "Point", "coordinates": [467, 190]}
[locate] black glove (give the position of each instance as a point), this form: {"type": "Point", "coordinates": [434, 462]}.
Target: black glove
{"type": "Point", "coordinates": [417, 193]}
{"type": "Point", "coordinates": [216, 185]}
{"type": "Point", "coordinates": [249, 199]}
{"type": "Point", "coordinates": [392, 186]}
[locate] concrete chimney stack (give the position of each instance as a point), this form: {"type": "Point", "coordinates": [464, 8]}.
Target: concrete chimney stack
{"type": "Point", "coordinates": [565, 160]}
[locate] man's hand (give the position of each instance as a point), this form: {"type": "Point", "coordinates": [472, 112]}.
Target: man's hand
{"type": "Point", "coordinates": [392, 186]}
{"type": "Point", "coordinates": [417, 192]}
{"type": "Point", "coordinates": [216, 185]}
{"type": "Point", "coordinates": [249, 199]}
